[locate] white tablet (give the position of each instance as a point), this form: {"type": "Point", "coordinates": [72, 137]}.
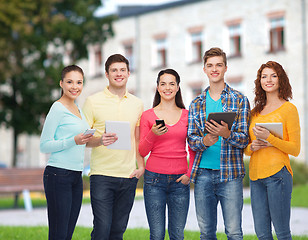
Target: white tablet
{"type": "Point", "coordinates": [122, 130]}
{"type": "Point", "coordinates": [274, 127]}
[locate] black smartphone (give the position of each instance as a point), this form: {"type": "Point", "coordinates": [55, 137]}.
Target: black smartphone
{"type": "Point", "coordinates": [160, 122]}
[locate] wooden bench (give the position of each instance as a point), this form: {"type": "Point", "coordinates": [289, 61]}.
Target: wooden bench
{"type": "Point", "coordinates": [21, 180]}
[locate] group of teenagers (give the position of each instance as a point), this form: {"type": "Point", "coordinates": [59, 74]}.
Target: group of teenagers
{"type": "Point", "coordinates": [215, 153]}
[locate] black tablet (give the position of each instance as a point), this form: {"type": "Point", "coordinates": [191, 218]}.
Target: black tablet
{"type": "Point", "coordinates": [227, 117]}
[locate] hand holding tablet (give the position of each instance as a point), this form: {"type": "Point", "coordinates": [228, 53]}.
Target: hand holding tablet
{"type": "Point", "coordinates": [274, 128]}
{"type": "Point", "coordinates": [227, 117]}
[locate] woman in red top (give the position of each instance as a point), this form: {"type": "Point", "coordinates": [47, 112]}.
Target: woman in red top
{"type": "Point", "coordinates": [167, 177]}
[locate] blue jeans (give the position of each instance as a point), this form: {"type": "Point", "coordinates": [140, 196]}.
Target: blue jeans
{"type": "Point", "coordinates": [63, 191]}
{"type": "Point", "coordinates": [112, 199]}
{"type": "Point", "coordinates": [208, 192]}
{"type": "Point", "coordinates": [161, 190]}
{"type": "Point", "coordinates": [271, 203]}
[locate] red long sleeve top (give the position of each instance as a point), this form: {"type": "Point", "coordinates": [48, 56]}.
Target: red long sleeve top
{"type": "Point", "coordinates": [167, 152]}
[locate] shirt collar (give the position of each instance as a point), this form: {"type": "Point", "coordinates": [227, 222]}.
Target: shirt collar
{"type": "Point", "coordinates": [106, 91]}
{"type": "Point", "coordinates": [226, 89]}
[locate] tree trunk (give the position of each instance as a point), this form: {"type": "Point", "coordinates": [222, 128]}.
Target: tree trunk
{"type": "Point", "coordinates": [15, 146]}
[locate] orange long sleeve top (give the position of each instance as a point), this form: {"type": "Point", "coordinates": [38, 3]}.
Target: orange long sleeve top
{"type": "Point", "coordinates": [268, 161]}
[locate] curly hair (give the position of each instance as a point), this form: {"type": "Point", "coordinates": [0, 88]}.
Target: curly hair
{"type": "Point", "coordinates": [284, 91]}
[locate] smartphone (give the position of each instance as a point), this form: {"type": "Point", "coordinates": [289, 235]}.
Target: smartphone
{"type": "Point", "coordinates": [160, 122]}
{"type": "Point", "coordinates": [89, 131]}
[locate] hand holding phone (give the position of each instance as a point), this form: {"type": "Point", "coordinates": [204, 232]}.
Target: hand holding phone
{"type": "Point", "coordinates": [89, 131]}
{"type": "Point", "coordinates": [159, 128]}
{"type": "Point", "coordinates": [83, 138]}
{"type": "Point", "coordinates": [160, 122]}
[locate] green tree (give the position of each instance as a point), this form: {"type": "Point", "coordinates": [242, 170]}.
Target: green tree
{"type": "Point", "coordinates": [34, 37]}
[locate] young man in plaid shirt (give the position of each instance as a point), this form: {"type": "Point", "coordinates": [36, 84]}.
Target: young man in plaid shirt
{"type": "Point", "coordinates": [218, 168]}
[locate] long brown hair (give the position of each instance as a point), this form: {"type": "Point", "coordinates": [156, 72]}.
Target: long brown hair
{"type": "Point", "coordinates": [178, 97]}
{"type": "Point", "coordinates": [284, 91]}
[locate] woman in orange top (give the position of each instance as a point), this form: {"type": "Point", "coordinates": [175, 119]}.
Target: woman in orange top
{"type": "Point", "coordinates": [270, 171]}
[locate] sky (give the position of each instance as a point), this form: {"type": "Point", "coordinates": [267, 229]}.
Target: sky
{"type": "Point", "coordinates": [110, 6]}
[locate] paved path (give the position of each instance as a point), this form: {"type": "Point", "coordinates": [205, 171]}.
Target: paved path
{"type": "Point", "coordinates": [20, 217]}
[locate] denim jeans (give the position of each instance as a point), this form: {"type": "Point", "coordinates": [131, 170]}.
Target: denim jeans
{"type": "Point", "coordinates": [271, 203]}
{"type": "Point", "coordinates": [63, 191]}
{"type": "Point", "coordinates": [112, 199]}
{"type": "Point", "coordinates": [208, 192]}
{"type": "Point", "coordinates": [161, 190]}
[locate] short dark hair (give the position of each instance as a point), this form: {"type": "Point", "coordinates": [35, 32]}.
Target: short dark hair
{"type": "Point", "coordinates": [178, 97]}
{"type": "Point", "coordinates": [115, 58]}
{"type": "Point", "coordinates": [214, 52]}
{"type": "Point", "coordinates": [71, 68]}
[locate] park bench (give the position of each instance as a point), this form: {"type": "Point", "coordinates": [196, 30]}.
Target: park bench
{"type": "Point", "coordinates": [21, 180]}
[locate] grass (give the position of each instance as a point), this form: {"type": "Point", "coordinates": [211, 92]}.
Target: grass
{"type": "Point", "coordinates": [8, 202]}
{"type": "Point", "coordinates": [299, 199]}
{"type": "Point", "coordinates": [299, 196]}
{"type": "Point", "coordinates": [81, 233]}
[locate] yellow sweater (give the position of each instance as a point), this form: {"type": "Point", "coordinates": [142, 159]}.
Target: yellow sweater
{"type": "Point", "coordinates": [268, 161]}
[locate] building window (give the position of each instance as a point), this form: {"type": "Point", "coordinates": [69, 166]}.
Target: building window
{"type": "Point", "coordinates": [237, 82]}
{"type": "Point", "coordinates": [196, 91]}
{"type": "Point", "coordinates": [235, 40]}
{"type": "Point", "coordinates": [277, 34]}
{"type": "Point", "coordinates": [196, 88]}
{"type": "Point", "coordinates": [196, 42]}
{"type": "Point", "coordinates": [129, 54]}
{"type": "Point", "coordinates": [161, 53]}
{"type": "Point", "coordinates": [97, 62]}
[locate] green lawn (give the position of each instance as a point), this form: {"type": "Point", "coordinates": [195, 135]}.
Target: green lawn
{"type": "Point", "coordinates": [299, 199]}
{"type": "Point", "coordinates": [81, 233]}
{"type": "Point", "coordinates": [8, 202]}
{"type": "Point", "coordinates": [299, 196]}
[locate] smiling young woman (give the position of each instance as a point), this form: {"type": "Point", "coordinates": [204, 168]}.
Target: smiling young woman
{"type": "Point", "coordinates": [166, 179]}
{"type": "Point", "coordinates": [62, 137]}
{"type": "Point", "coordinates": [270, 171]}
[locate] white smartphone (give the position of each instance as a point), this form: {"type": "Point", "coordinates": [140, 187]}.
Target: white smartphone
{"type": "Point", "coordinates": [89, 131]}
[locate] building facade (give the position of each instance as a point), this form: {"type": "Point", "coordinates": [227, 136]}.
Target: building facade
{"type": "Point", "coordinates": [176, 35]}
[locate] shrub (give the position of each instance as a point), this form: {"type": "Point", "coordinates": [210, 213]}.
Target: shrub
{"type": "Point", "coordinates": [246, 178]}
{"type": "Point", "coordinates": [300, 172]}
{"type": "Point", "coordinates": [86, 182]}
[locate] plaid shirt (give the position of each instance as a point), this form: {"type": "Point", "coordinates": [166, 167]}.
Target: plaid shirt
{"type": "Point", "coordinates": [231, 155]}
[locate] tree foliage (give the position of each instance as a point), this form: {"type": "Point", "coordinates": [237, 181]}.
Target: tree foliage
{"type": "Point", "coordinates": [35, 37]}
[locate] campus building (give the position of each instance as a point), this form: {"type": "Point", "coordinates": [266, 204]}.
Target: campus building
{"type": "Point", "coordinates": [175, 35]}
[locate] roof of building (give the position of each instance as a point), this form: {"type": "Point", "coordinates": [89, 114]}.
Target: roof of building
{"type": "Point", "coordinates": [135, 10]}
